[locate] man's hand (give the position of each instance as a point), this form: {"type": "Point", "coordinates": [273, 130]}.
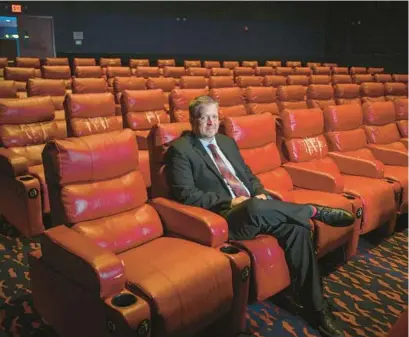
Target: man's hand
{"type": "Point", "coordinates": [261, 196]}
{"type": "Point", "coordinates": [237, 201]}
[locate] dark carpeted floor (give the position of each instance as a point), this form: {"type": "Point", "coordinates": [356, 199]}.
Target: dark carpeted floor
{"type": "Point", "coordinates": [368, 293]}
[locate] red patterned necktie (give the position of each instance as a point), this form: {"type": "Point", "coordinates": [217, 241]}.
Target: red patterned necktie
{"type": "Point", "coordinates": [234, 183]}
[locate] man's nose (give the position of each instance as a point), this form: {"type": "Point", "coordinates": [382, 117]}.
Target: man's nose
{"type": "Point", "coordinates": [209, 121]}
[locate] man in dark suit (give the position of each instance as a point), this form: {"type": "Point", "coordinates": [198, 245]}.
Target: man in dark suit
{"type": "Point", "coordinates": [206, 169]}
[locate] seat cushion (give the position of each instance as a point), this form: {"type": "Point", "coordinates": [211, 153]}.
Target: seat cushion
{"type": "Point", "coordinates": [188, 284]}
{"type": "Point", "coordinates": [38, 172]}
{"type": "Point", "coordinates": [378, 198]}
{"type": "Point", "coordinates": [399, 174]}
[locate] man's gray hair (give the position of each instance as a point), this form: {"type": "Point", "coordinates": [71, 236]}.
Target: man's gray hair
{"type": "Point", "coordinates": [196, 105]}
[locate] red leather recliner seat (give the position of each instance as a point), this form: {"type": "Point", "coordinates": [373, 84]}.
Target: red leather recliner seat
{"type": "Point", "coordinates": [401, 116]}
{"type": "Point", "coordinates": [8, 89]}
{"type": "Point", "coordinates": [347, 94]}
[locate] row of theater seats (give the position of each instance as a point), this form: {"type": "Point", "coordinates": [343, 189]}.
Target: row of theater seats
{"type": "Point", "coordinates": [35, 62]}
{"type": "Point", "coordinates": [135, 264]}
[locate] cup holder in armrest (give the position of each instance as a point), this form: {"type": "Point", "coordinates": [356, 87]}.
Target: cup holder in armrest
{"type": "Point", "coordinates": [25, 178]}
{"type": "Point", "coordinates": [124, 300]}
{"type": "Point", "coordinates": [350, 197]}
{"type": "Point", "coordinates": [229, 250]}
{"type": "Point", "coordinates": [390, 181]}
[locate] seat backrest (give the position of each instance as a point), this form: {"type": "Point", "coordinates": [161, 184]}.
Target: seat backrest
{"type": "Point", "coordinates": [319, 79]}
{"type": "Point", "coordinates": [293, 64]}
{"type": "Point", "coordinates": [321, 70]}
{"type": "Point", "coordinates": [251, 64]}
{"type": "Point", "coordinates": [394, 91]}
{"type": "Point", "coordinates": [175, 72]}
{"type": "Point", "coordinates": [221, 72]}
{"type": "Point", "coordinates": [230, 64]}
{"type": "Point", "coordinates": [341, 79]}
{"type": "Point", "coordinates": [259, 149]}
{"type": "Point", "coordinates": [161, 63]}
{"type": "Point", "coordinates": [4, 62]}
{"type": "Point", "coordinates": [231, 101]}
{"type": "Point", "coordinates": [382, 78]}
{"type": "Point", "coordinates": [291, 97]}
{"type": "Point", "coordinates": [56, 72]}
{"type": "Point", "coordinates": [192, 63]}
{"type": "Point", "coordinates": [284, 71]}
{"type": "Point", "coordinates": [97, 199]}
{"type": "Point", "coordinates": [403, 78]}
{"type": "Point", "coordinates": [243, 71]}
{"type": "Point", "coordinates": [84, 61]}
{"type": "Point", "coordinates": [160, 138]}
{"type": "Point", "coordinates": [26, 124]}
{"type": "Point", "coordinates": [196, 71]}
{"type": "Point", "coordinates": [261, 100]}
{"type": "Point", "coordinates": [133, 63]}
{"type": "Point", "coordinates": [313, 64]}
{"type": "Point", "coordinates": [211, 64]}
{"type": "Point", "coordinates": [372, 92]}
{"type": "Point", "coordinates": [167, 84]}
{"type": "Point", "coordinates": [297, 80]}
{"type": "Point", "coordinates": [330, 65]}
{"type": "Point", "coordinates": [53, 88]}
{"type": "Point", "coordinates": [87, 71]}
{"type": "Point", "coordinates": [221, 82]}
{"type": "Point", "coordinates": [320, 96]}
{"type": "Point", "coordinates": [88, 114]}
{"type": "Point", "coordinates": [375, 70]}
{"type": "Point", "coordinates": [147, 72]}
{"type": "Point", "coordinates": [274, 81]}
{"type": "Point", "coordinates": [110, 62]}
{"type": "Point", "coordinates": [379, 123]}
{"type": "Point", "coordinates": [273, 64]}
{"type": "Point", "coordinates": [118, 72]}
{"type": "Point", "coordinates": [142, 109]}
{"type": "Point", "coordinates": [56, 61]}
{"type": "Point", "coordinates": [8, 89]}
{"type": "Point", "coordinates": [347, 94]}
{"type": "Point", "coordinates": [19, 76]}
{"type": "Point", "coordinates": [179, 100]}
{"type": "Point", "coordinates": [340, 70]}
{"type": "Point", "coordinates": [302, 71]}
{"type": "Point", "coordinates": [247, 81]}
{"type": "Point", "coordinates": [89, 85]}
{"type": "Point", "coordinates": [128, 83]}
{"type": "Point", "coordinates": [343, 129]}
{"type": "Point", "coordinates": [361, 78]}
{"type": "Point", "coordinates": [401, 116]}
{"type": "Point", "coordinates": [303, 134]}
{"type": "Point", "coordinates": [263, 71]}
{"type": "Point", "coordinates": [357, 70]}
{"type": "Point", "coordinates": [28, 62]}
{"type": "Point", "coordinates": [193, 82]}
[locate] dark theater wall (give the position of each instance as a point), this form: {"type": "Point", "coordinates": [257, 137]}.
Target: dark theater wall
{"type": "Point", "coordinates": [307, 31]}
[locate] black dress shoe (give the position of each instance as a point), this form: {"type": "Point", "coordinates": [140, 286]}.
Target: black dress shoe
{"type": "Point", "coordinates": [327, 325]}
{"type": "Point", "coordinates": [336, 217]}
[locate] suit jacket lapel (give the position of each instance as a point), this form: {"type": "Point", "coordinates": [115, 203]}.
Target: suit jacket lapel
{"type": "Point", "coordinates": [197, 145]}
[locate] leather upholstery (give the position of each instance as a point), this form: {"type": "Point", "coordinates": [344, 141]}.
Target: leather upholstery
{"type": "Point", "coordinates": [247, 81]}
{"type": "Point", "coordinates": [84, 61]}
{"type": "Point", "coordinates": [175, 72]}
{"type": "Point", "coordinates": [361, 78]}
{"type": "Point", "coordinates": [221, 72]}
{"type": "Point", "coordinates": [319, 79]}
{"type": "Point", "coordinates": [357, 70]}
{"type": "Point", "coordinates": [197, 71]}
{"type": "Point", "coordinates": [19, 76]}
{"type": "Point", "coordinates": [87, 71]}
{"type": "Point", "coordinates": [89, 85]}
{"type": "Point", "coordinates": [26, 124]}
{"type": "Point", "coordinates": [113, 72]}
{"type": "Point", "coordinates": [57, 73]}
{"type": "Point", "coordinates": [133, 63]}
{"type": "Point", "coordinates": [167, 84]}
{"type": "Point", "coordinates": [341, 79]}
{"type": "Point", "coordinates": [340, 70]}
{"type": "Point", "coordinates": [320, 95]}
{"type": "Point", "coordinates": [127, 83]}
{"type": "Point", "coordinates": [116, 242]}
{"type": "Point", "coordinates": [375, 70]}
{"type": "Point", "coordinates": [273, 64]}
{"type": "Point", "coordinates": [28, 62]}
{"type": "Point", "coordinates": [243, 71]}
{"type": "Point", "coordinates": [347, 94]}
{"type": "Point", "coordinates": [231, 101]}
{"type": "Point", "coordinates": [372, 92]}
{"type": "Point", "coordinates": [297, 80]}
{"type": "Point", "coordinates": [250, 64]}
{"type": "Point", "coordinates": [192, 63]}
{"type": "Point", "coordinates": [263, 71]}
{"type": "Point", "coordinates": [313, 64]}
{"type": "Point", "coordinates": [146, 72]}
{"type": "Point", "coordinates": [179, 100]}
{"type": "Point", "coordinates": [403, 78]}
{"type": "Point", "coordinates": [8, 89]}
{"type": "Point", "coordinates": [284, 71]}
{"type": "Point", "coordinates": [293, 64]}
{"type": "Point", "coordinates": [110, 62]}
{"type": "Point", "coordinates": [166, 63]}
{"type": "Point", "coordinates": [302, 71]}
{"type": "Point", "coordinates": [401, 115]}
{"type": "Point", "coordinates": [211, 64]}
{"type": "Point", "coordinates": [56, 61]}
{"type": "Point", "coordinates": [193, 82]}
{"type": "Point", "coordinates": [382, 78]}
{"type": "Point", "coordinates": [221, 82]}
{"type": "Point", "coordinates": [291, 97]}
{"type": "Point", "coordinates": [230, 64]}
{"type": "Point", "coordinates": [261, 100]}
{"type": "Point", "coordinates": [311, 167]}
{"type": "Point", "coordinates": [330, 65]}
{"type": "Point", "coordinates": [274, 81]}
{"type": "Point", "coordinates": [395, 91]}
{"type": "Point", "coordinates": [321, 70]}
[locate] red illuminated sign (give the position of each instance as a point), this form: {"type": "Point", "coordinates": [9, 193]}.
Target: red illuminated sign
{"type": "Point", "coordinates": [16, 9]}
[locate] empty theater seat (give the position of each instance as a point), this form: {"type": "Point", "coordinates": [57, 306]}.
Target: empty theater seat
{"type": "Point", "coordinates": [221, 82]}
{"type": "Point", "coordinates": [110, 62]}
{"type": "Point", "coordinates": [395, 91]}
{"type": "Point", "coordinates": [283, 71]}
{"type": "Point", "coordinates": [26, 124]}
{"type": "Point", "coordinates": [56, 61]}
{"type": "Point", "coordinates": [403, 78]}
{"type": "Point", "coordinates": [221, 72]}
{"type": "Point", "coordinates": [89, 114]}
{"type": "Point", "coordinates": [311, 167]}
{"type": "Point", "coordinates": [243, 71]}
{"type": "Point", "coordinates": [274, 81]}
{"type": "Point", "coordinates": [78, 277]}
{"type": "Point", "coordinates": [20, 77]}
{"type": "Point", "coordinates": [4, 62]}
{"type": "Point", "coordinates": [29, 62]}
{"type": "Point", "coordinates": [348, 143]}
{"type": "Point", "coordinates": [357, 70]}
{"type": "Point", "coordinates": [84, 61]}
{"type": "Point", "coordinates": [330, 65]}
{"type": "Point", "coordinates": [273, 64]}
{"type": "Point", "coordinates": [141, 110]}
{"type": "Point", "coordinates": [313, 64]}
{"type": "Point", "coordinates": [319, 79]}
{"type": "Point", "coordinates": [372, 92]}
{"type": "Point", "coordinates": [347, 94]}
{"type": "Point", "coordinates": [192, 63]}
{"type": "Point", "coordinates": [113, 72]}
{"type": "Point", "coordinates": [53, 88]}
{"type": "Point", "coordinates": [382, 133]}
{"type": "Point", "coordinates": [175, 72]}
{"type": "Point", "coordinates": [89, 85]}
{"type": "Point", "coordinates": [161, 63]}
{"type": "Point", "coordinates": [247, 81]}
{"type": "Point", "coordinates": [146, 72]}
{"type": "Point", "coordinates": [269, 271]}
{"type": "Point", "coordinates": [361, 78]}
{"type": "Point", "coordinates": [88, 72]}
{"type": "Point", "coordinates": [231, 64]}
{"type": "Point", "coordinates": [127, 83]}
{"type": "Point", "coordinates": [57, 73]}
{"type": "Point", "coordinates": [341, 79]}
{"type": "Point", "coordinates": [340, 70]}
{"type": "Point", "coordinates": [298, 80]}
{"type": "Point", "coordinates": [261, 100]}
{"type": "Point", "coordinates": [179, 100]}
{"type": "Point", "coordinates": [401, 116]}
{"type": "Point", "coordinates": [321, 70]}
{"type": "Point", "coordinates": [231, 101]}
{"type": "Point", "coordinates": [291, 97]}
{"type": "Point", "coordinates": [293, 64]}
{"type": "Point", "coordinates": [193, 82]}
{"type": "Point", "coordinates": [261, 154]}
{"type": "Point", "coordinates": [8, 89]}
{"type": "Point", "coordinates": [133, 63]}
{"type": "Point", "coordinates": [320, 96]}
{"type": "Point", "coordinates": [382, 78]}
{"type": "Point", "coordinates": [211, 64]}
{"type": "Point", "coordinates": [302, 71]}
{"type": "Point", "coordinates": [196, 71]}
{"type": "Point", "coordinates": [166, 84]}
{"type": "Point", "coordinates": [264, 71]}
{"type": "Point", "coordinates": [251, 64]}
{"type": "Point", "coordinates": [374, 70]}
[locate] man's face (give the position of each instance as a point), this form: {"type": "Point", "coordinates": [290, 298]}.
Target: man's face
{"type": "Point", "coordinates": [207, 125]}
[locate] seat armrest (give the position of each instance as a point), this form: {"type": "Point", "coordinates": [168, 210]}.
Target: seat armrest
{"type": "Point", "coordinates": [358, 166]}
{"type": "Point", "coordinates": [83, 261]}
{"type": "Point", "coordinates": [12, 164]}
{"type": "Point", "coordinates": [389, 156]}
{"type": "Point", "coordinates": [308, 176]}
{"type": "Point", "coordinates": [280, 195]}
{"type": "Point", "coordinates": [193, 223]}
